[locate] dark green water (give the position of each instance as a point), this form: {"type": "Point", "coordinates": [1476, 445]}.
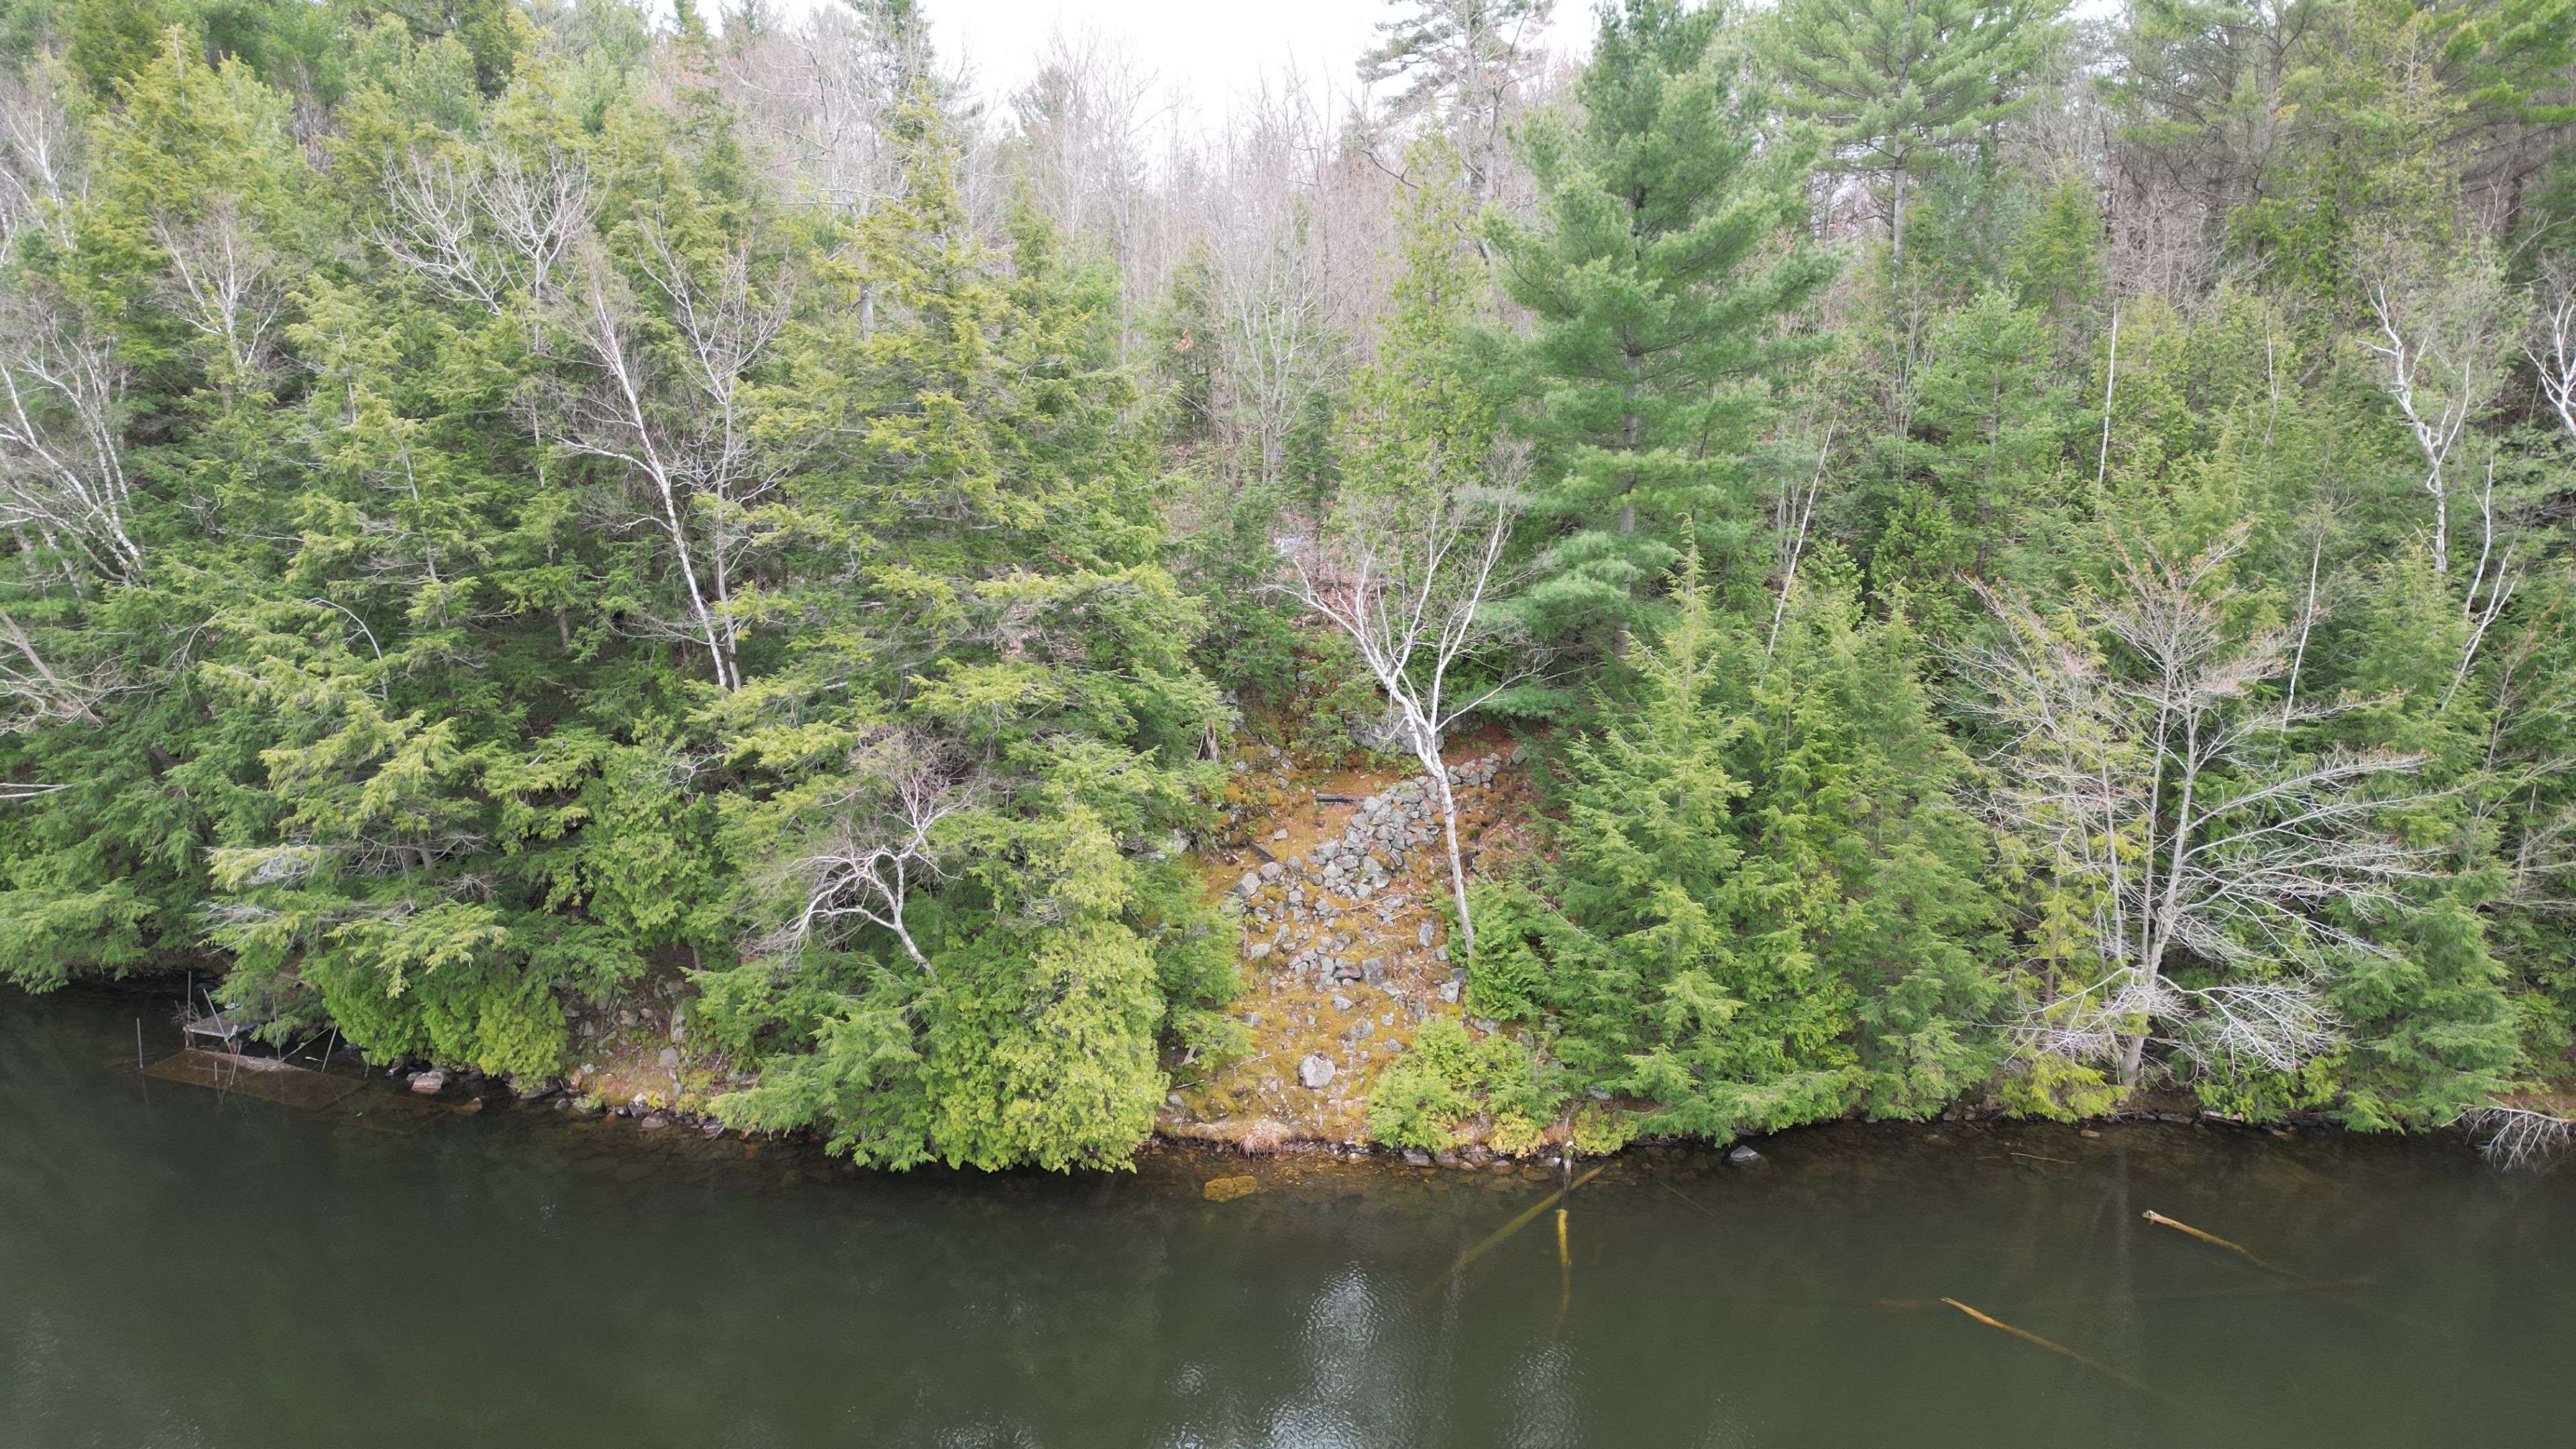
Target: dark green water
{"type": "Point", "coordinates": [179, 1268]}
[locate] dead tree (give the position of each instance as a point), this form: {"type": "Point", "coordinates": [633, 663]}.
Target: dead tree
{"type": "Point", "coordinates": [875, 841]}
{"type": "Point", "coordinates": [1411, 583]}
{"type": "Point", "coordinates": [677, 416]}
{"type": "Point", "coordinates": [63, 480]}
{"type": "Point", "coordinates": [2551, 344]}
{"type": "Point", "coordinates": [2440, 341]}
{"type": "Point", "coordinates": [2146, 771]}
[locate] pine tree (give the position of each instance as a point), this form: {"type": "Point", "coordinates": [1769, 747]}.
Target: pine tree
{"type": "Point", "coordinates": [1897, 84]}
{"type": "Point", "coordinates": [1657, 275]}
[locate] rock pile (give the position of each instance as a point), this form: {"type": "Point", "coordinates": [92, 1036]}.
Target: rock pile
{"type": "Point", "coordinates": [1307, 908]}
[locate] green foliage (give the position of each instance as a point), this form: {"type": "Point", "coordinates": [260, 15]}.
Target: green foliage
{"type": "Point", "coordinates": [493, 521]}
{"type": "Point", "coordinates": [1453, 1085]}
{"type": "Point", "coordinates": [1896, 84]}
{"type": "Point", "coordinates": [1655, 273]}
{"type": "Point", "coordinates": [1765, 907]}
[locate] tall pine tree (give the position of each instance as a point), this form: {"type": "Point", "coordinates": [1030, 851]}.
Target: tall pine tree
{"type": "Point", "coordinates": [1657, 275]}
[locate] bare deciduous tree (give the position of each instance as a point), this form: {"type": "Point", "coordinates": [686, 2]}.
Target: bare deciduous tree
{"type": "Point", "coordinates": [490, 229]}
{"type": "Point", "coordinates": [223, 284]}
{"type": "Point", "coordinates": [876, 844]}
{"type": "Point", "coordinates": [2144, 769]}
{"type": "Point", "coordinates": [62, 425]}
{"type": "Point", "coordinates": [1410, 583]}
{"type": "Point", "coordinates": [38, 171]}
{"type": "Point", "coordinates": [677, 415]}
{"type": "Point", "coordinates": [2442, 335]}
{"type": "Point", "coordinates": [1083, 125]}
{"type": "Point", "coordinates": [2551, 345]}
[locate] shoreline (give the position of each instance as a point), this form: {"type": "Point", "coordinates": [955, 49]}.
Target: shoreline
{"type": "Point", "coordinates": [468, 1093]}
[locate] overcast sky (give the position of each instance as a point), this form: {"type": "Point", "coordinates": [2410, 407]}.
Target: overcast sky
{"type": "Point", "coordinates": [1210, 50]}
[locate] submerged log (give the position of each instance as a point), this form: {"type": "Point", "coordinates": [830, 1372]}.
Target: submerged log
{"type": "Point", "coordinates": [2051, 1345]}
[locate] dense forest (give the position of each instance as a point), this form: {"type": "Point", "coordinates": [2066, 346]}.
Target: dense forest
{"type": "Point", "coordinates": [2029, 552]}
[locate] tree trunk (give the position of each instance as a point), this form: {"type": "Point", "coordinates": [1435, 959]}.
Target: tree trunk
{"type": "Point", "coordinates": [1457, 867]}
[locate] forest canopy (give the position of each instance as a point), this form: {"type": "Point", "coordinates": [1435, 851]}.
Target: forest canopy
{"type": "Point", "coordinates": [2030, 552]}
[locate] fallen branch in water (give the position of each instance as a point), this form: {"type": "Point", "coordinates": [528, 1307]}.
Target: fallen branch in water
{"type": "Point", "coordinates": [2102, 1300]}
{"type": "Point", "coordinates": [2051, 1345]}
{"type": "Point", "coordinates": [2216, 1241]}
{"type": "Point", "coordinates": [2519, 1137]}
{"type": "Point", "coordinates": [1514, 1226]}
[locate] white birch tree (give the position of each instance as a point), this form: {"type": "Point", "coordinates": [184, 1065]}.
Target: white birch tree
{"type": "Point", "coordinates": [1412, 583]}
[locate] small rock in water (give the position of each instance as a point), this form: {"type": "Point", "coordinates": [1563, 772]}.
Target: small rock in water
{"type": "Point", "coordinates": [1316, 1072]}
{"type": "Point", "coordinates": [1227, 1189]}
{"type": "Point", "coordinates": [2087, 1132]}
{"type": "Point", "coordinates": [430, 1083]}
{"type": "Point", "coordinates": [654, 1123]}
{"type": "Point", "coordinates": [1417, 1157]}
{"type": "Point", "coordinates": [1742, 1156]}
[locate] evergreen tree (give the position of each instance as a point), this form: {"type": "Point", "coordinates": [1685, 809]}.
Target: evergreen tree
{"type": "Point", "coordinates": [1764, 907]}
{"type": "Point", "coordinates": [1656, 275]}
{"type": "Point", "coordinates": [997, 674]}
{"type": "Point", "coordinates": [1898, 84]}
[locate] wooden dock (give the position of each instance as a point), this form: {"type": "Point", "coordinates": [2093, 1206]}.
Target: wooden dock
{"type": "Point", "coordinates": [265, 1078]}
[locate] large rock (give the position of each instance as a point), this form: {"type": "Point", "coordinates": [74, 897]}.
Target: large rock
{"type": "Point", "coordinates": [430, 1083]}
{"type": "Point", "coordinates": [1316, 1072]}
{"type": "Point", "coordinates": [1227, 1189]}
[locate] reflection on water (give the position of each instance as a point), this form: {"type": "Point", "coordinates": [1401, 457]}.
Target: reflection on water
{"type": "Point", "coordinates": [182, 1268]}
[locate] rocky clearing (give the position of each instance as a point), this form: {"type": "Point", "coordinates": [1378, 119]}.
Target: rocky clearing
{"type": "Point", "coordinates": [1337, 896]}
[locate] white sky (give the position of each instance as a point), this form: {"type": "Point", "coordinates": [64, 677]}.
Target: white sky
{"type": "Point", "coordinates": [1207, 50]}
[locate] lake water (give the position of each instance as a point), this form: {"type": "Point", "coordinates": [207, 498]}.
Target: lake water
{"type": "Point", "coordinates": [180, 1267]}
